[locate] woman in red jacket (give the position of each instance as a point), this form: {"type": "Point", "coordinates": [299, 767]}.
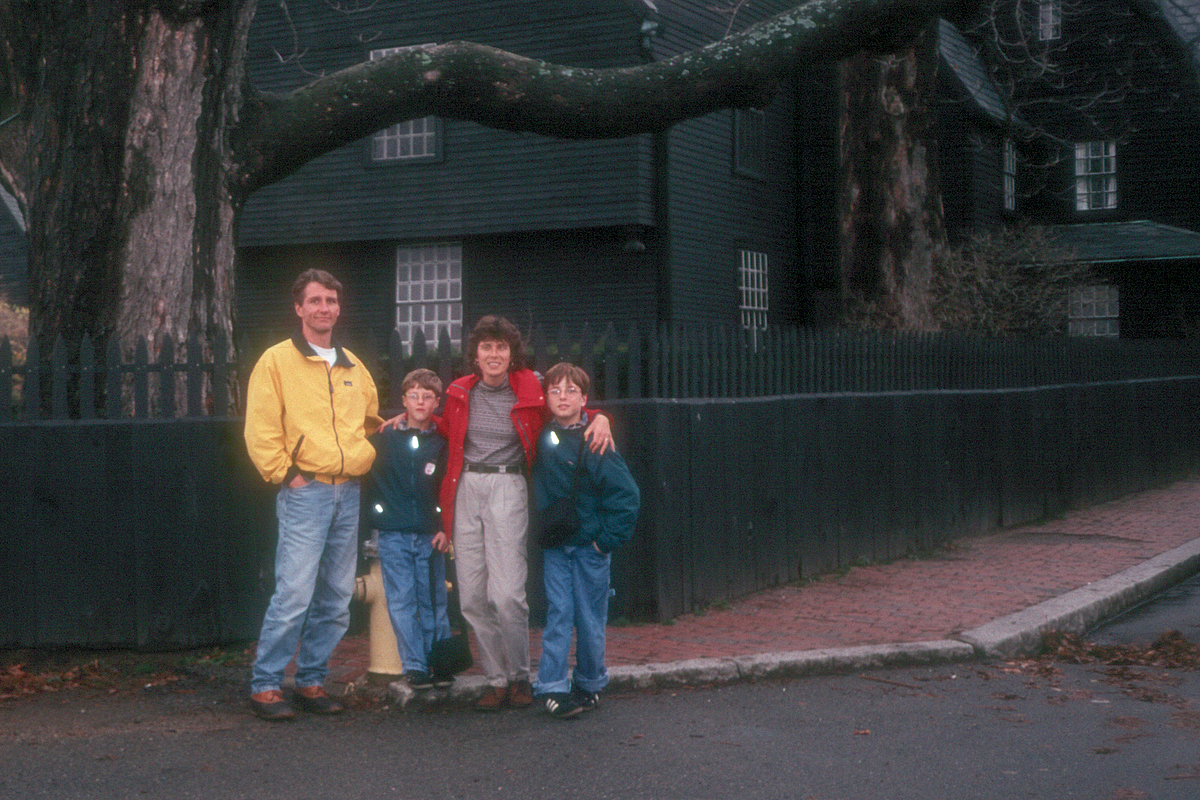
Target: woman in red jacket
{"type": "Point", "coordinates": [491, 421]}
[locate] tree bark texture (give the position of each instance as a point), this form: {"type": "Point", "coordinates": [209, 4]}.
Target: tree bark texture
{"type": "Point", "coordinates": [891, 212]}
{"type": "Point", "coordinates": [131, 137]}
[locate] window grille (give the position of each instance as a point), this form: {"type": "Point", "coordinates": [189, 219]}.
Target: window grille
{"type": "Point", "coordinates": [1095, 175]}
{"type": "Point", "coordinates": [752, 285]}
{"type": "Point", "coordinates": [1095, 311]}
{"type": "Point", "coordinates": [429, 291]}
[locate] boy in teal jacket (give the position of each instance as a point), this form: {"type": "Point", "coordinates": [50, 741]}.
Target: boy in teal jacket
{"type": "Point", "coordinates": [577, 573]}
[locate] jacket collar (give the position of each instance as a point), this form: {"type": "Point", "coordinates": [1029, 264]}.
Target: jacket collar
{"type": "Point", "coordinates": [306, 350]}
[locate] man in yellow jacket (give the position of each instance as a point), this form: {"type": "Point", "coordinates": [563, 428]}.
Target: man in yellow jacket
{"type": "Point", "coordinates": [310, 406]}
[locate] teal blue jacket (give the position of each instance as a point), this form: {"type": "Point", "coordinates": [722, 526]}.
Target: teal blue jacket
{"type": "Point", "coordinates": [608, 499]}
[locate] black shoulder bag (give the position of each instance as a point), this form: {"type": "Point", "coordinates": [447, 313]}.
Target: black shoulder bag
{"type": "Point", "coordinates": [450, 656]}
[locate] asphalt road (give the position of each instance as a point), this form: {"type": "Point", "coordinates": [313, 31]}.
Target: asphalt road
{"type": "Point", "coordinates": [983, 731]}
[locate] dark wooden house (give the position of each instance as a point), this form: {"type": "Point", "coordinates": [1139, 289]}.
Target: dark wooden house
{"type": "Point", "coordinates": [438, 221]}
{"type": "Point", "coordinates": [1094, 134]}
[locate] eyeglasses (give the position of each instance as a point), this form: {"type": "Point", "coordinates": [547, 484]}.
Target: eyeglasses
{"type": "Point", "coordinates": [421, 397]}
{"type": "Point", "coordinates": [570, 392]}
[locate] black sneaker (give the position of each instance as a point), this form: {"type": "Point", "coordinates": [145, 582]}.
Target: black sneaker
{"type": "Point", "coordinates": [587, 701]}
{"type": "Point", "coordinates": [562, 705]}
{"type": "Point", "coordinates": [443, 681]}
{"type": "Point", "coordinates": [418, 681]}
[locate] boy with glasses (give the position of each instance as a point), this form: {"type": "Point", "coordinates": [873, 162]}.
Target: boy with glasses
{"type": "Point", "coordinates": [577, 573]}
{"type": "Point", "coordinates": [410, 462]}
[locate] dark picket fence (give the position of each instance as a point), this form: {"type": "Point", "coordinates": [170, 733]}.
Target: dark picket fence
{"type": "Point", "coordinates": [675, 362]}
{"type": "Point", "coordinates": [134, 518]}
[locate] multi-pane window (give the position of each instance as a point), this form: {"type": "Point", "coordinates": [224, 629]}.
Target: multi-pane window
{"type": "Point", "coordinates": [1095, 311]}
{"type": "Point", "coordinates": [414, 139]}
{"type": "Point", "coordinates": [1010, 175]}
{"type": "Point", "coordinates": [429, 291]}
{"type": "Point", "coordinates": [752, 285]}
{"type": "Point", "coordinates": [1095, 175]}
{"type": "Point", "coordinates": [749, 142]}
{"type": "Point", "coordinates": [1049, 20]}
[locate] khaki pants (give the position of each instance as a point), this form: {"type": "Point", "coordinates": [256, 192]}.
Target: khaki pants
{"type": "Point", "coordinates": [491, 516]}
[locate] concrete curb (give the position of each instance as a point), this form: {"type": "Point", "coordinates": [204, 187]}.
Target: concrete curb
{"type": "Point", "coordinates": [1077, 611]}
{"type": "Point", "coordinates": [1017, 634]}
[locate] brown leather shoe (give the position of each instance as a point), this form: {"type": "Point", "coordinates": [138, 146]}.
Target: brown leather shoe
{"type": "Point", "coordinates": [520, 694]}
{"type": "Point", "coordinates": [314, 700]}
{"type": "Point", "coordinates": [271, 706]}
{"type": "Point", "coordinates": [493, 699]}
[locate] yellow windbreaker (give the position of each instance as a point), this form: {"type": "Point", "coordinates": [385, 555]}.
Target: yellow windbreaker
{"type": "Point", "coordinates": [302, 412]}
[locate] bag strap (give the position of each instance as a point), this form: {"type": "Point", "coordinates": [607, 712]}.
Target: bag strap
{"type": "Point", "coordinates": [578, 468]}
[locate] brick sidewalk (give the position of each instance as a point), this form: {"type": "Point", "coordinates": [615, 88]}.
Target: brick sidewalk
{"type": "Point", "coordinates": [976, 581]}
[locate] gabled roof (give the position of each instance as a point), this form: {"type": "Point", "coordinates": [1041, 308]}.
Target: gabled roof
{"type": "Point", "coordinates": [1184, 18]}
{"type": "Point", "coordinates": [965, 65]}
{"type": "Point", "coordinates": [1118, 242]}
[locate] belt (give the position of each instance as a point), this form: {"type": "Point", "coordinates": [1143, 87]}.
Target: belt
{"type": "Point", "coordinates": [503, 469]}
{"type": "Point", "coordinates": [332, 480]}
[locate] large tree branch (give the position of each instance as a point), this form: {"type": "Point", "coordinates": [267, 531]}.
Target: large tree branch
{"type": "Point", "coordinates": [501, 90]}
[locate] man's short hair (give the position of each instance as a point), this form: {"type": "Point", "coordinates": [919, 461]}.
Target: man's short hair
{"type": "Point", "coordinates": [314, 276]}
{"type": "Point", "coordinates": [494, 328]}
{"type": "Point", "coordinates": [573, 374]}
{"type": "Point", "coordinates": [422, 379]}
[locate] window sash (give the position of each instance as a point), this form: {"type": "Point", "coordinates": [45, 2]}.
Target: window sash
{"type": "Point", "coordinates": [1095, 311]}
{"type": "Point", "coordinates": [429, 291]}
{"type": "Point", "coordinates": [1095, 175]}
{"type": "Point", "coordinates": [753, 290]}
{"type": "Point", "coordinates": [1049, 20]}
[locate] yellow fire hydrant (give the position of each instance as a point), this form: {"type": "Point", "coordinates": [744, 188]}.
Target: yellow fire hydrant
{"type": "Point", "coordinates": [385, 664]}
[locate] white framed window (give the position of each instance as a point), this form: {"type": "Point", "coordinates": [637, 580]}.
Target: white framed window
{"type": "Point", "coordinates": [416, 139]}
{"type": "Point", "coordinates": [1095, 175]}
{"type": "Point", "coordinates": [749, 142]}
{"type": "Point", "coordinates": [1010, 175]}
{"type": "Point", "coordinates": [429, 291]}
{"type": "Point", "coordinates": [1049, 20]}
{"type": "Point", "coordinates": [752, 288]}
{"type": "Point", "coordinates": [1095, 311]}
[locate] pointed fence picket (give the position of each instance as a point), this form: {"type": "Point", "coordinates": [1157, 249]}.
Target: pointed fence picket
{"type": "Point", "coordinates": [671, 361]}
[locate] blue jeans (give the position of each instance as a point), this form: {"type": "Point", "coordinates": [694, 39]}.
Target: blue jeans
{"type": "Point", "coordinates": [404, 559]}
{"type": "Point", "coordinates": [315, 563]}
{"type": "Point", "coordinates": [577, 591]}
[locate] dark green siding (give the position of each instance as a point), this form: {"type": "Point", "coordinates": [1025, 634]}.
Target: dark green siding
{"type": "Point", "coordinates": [487, 181]}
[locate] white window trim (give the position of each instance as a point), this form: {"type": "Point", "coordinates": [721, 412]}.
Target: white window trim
{"type": "Point", "coordinates": [1049, 20]}
{"type": "Point", "coordinates": [429, 291]}
{"type": "Point", "coordinates": [1010, 175]}
{"type": "Point", "coordinates": [1096, 175]}
{"type": "Point", "coordinates": [1095, 311]}
{"type": "Point", "coordinates": [753, 289]}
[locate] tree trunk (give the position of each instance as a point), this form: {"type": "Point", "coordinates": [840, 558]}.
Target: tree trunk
{"type": "Point", "coordinates": [890, 206]}
{"type": "Point", "coordinates": [131, 216]}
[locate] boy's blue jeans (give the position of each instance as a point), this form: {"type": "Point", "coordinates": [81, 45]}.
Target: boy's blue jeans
{"type": "Point", "coordinates": [577, 591]}
{"type": "Point", "coordinates": [315, 562]}
{"type": "Point", "coordinates": [404, 559]}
